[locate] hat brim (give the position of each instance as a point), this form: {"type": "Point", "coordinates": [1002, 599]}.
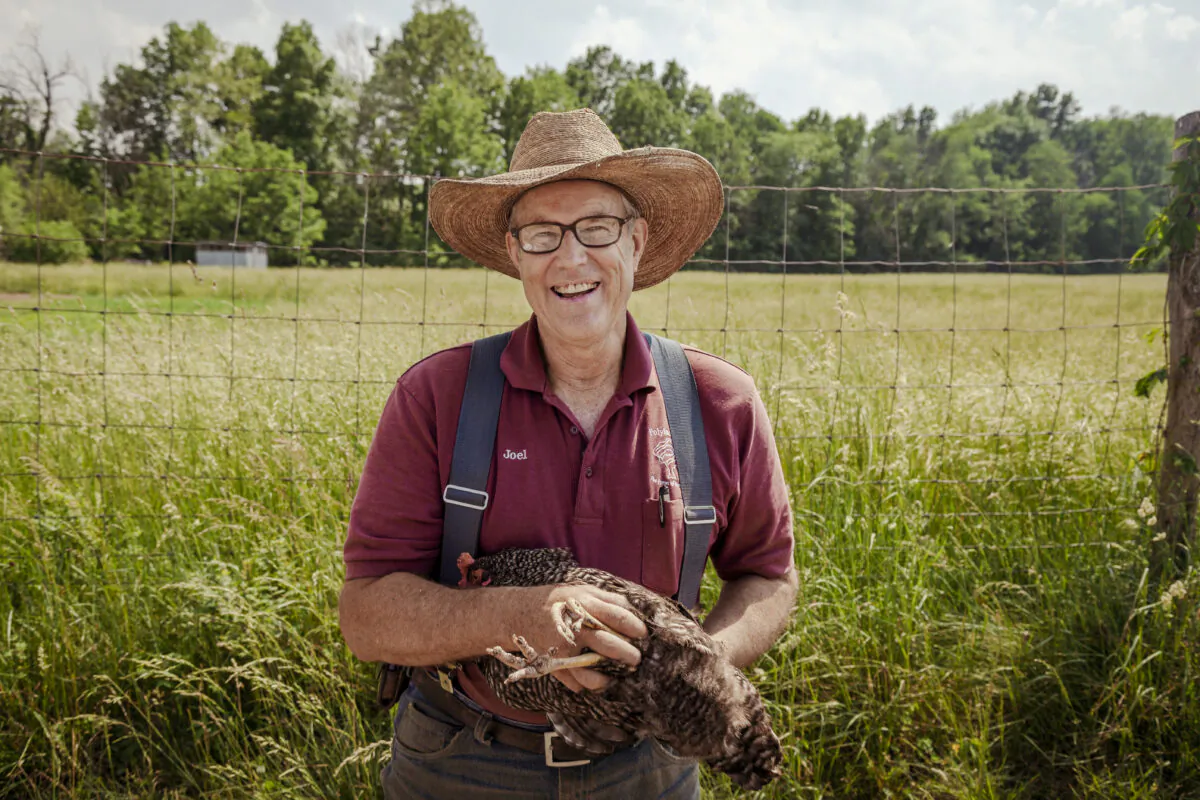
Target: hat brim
{"type": "Point", "coordinates": [678, 192]}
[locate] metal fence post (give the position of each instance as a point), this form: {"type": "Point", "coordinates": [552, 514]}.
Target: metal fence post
{"type": "Point", "coordinates": [1178, 482]}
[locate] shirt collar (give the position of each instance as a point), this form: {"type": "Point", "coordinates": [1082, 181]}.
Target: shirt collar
{"type": "Point", "coordinates": [525, 368]}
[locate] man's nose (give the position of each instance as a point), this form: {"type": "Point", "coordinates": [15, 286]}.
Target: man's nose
{"type": "Point", "coordinates": [571, 249]}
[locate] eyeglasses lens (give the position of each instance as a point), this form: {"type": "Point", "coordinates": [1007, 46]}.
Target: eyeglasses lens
{"type": "Point", "coordinates": [591, 232]}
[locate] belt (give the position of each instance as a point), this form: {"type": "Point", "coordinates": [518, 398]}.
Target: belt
{"type": "Point", "coordinates": [547, 742]}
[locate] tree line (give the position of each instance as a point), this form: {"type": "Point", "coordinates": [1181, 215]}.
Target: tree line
{"type": "Point", "coordinates": [328, 153]}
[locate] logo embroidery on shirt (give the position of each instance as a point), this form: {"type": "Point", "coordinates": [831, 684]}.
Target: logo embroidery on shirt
{"type": "Point", "coordinates": [664, 451]}
{"type": "Point", "coordinates": [515, 455]}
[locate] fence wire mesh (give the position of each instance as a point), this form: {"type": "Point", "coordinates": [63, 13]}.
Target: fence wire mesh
{"type": "Point", "coordinates": [946, 394]}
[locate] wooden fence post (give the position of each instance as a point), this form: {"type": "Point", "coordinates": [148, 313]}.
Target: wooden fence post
{"type": "Point", "coordinates": [1178, 482]}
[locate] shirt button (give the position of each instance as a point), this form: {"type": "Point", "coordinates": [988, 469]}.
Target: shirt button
{"type": "Point", "coordinates": [574, 431]}
{"type": "Point", "coordinates": [588, 472]}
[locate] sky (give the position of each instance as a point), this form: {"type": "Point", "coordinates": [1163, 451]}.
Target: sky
{"type": "Point", "coordinates": [844, 56]}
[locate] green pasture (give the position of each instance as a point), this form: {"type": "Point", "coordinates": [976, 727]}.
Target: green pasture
{"type": "Point", "coordinates": [968, 462]}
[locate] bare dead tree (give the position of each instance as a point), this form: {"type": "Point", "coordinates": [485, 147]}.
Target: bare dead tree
{"type": "Point", "coordinates": [30, 87]}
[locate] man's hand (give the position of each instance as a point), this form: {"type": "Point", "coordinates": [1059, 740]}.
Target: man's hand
{"type": "Point", "coordinates": [537, 623]}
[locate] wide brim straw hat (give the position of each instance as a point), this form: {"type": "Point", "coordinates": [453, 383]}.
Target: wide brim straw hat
{"type": "Point", "coordinates": [677, 191]}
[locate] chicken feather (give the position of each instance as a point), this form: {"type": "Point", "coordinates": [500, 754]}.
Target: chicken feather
{"type": "Point", "coordinates": [683, 693]}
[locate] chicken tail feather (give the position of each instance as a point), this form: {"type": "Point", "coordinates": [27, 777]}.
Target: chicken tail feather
{"type": "Point", "coordinates": [757, 757]}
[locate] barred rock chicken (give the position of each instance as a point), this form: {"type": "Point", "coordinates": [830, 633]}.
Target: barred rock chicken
{"type": "Point", "coordinates": [683, 692]}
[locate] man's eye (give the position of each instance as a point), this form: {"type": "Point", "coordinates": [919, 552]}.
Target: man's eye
{"type": "Point", "coordinates": [542, 236]}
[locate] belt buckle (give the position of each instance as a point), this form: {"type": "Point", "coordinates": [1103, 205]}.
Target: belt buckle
{"type": "Point", "coordinates": [548, 744]}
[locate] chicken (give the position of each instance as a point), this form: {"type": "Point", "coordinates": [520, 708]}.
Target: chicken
{"type": "Point", "coordinates": [683, 693]}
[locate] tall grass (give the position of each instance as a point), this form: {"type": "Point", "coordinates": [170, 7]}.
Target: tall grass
{"type": "Point", "coordinates": [178, 451]}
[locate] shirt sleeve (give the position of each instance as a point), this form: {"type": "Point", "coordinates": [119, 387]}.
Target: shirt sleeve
{"type": "Point", "coordinates": [396, 519]}
{"type": "Point", "coordinates": [757, 539]}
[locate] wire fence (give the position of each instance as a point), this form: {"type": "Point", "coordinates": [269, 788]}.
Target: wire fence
{"type": "Point", "coordinates": [980, 398]}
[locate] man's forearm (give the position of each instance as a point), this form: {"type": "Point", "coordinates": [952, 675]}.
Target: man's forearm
{"type": "Point", "coordinates": [750, 614]}
{"type": "Point", "coordinates": [405, 619]}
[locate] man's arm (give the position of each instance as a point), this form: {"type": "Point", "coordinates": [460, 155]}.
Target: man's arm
{"type": "Point", "coordinates": [402, 618]}
{"type": "Point", "coordinates": [750, 614]}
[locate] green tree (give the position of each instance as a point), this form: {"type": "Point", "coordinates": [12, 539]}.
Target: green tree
{"type": "Point", "coordinates": [819, 225]}
{"type": "Point", "coordinates": [49, 242]}
{"type": "Point", "coordinates": [256, 195]}
{"type": "Point", "coordinates": [674, 81]}
{"type": "Point", "coordinates": [643, 114]}
{"type": "Point", "coordinates": [713, 137]}
{"type": "Point", "coordinates": [539, 89]}
{"type": "Point", "coordinates": [598, 74]}
{"type": "Point", "coordinates": [169, 106]}
{"type": "Point", "coordinates": [239, 80]}
{"type": "Point", "coordinates": [257, 198]}
{"type": "Point", "coordinates": [451, 135]}
{"type": "Point", "coordinates": [440, 45]}
{"type": "Point", "coordinates": [441, 42]}
{"type": "Point", "coordinates": [1056, 221]}
{"type": "Point", "coordinates": [295, 110]}
{"type": "Point", "coordinates": [12, 206]}
{"type": "Point", "coordinates": [146, 219]}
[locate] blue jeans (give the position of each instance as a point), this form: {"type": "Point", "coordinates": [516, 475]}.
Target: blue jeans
{"type": "Point", "coordinates": [435, 757]}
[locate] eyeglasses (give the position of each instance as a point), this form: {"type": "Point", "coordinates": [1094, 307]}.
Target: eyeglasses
{"type": "Point", "coordinates": [545, 237]}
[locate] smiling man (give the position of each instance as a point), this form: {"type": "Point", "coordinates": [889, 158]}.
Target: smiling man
{"type": "Point", "coordinates": [583, 459]}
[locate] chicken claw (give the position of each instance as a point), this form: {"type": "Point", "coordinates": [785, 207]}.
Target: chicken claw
{"type": "Point", "coordinates": [570, 617]}
{"type": "Point", "coordinates": [531, 664]}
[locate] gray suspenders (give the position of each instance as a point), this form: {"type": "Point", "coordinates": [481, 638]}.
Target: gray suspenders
{"type": "Point", "coordinates": [466, 494]}
{"type": "Point", "coordinates": [682, 400]}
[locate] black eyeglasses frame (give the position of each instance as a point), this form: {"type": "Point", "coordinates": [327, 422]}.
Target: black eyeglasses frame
{"type": "Point", "coordinates": [562, 234]}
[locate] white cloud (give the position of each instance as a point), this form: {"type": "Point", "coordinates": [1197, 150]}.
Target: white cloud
{"type": "Point", "coordinates": [1131, 23]}
{"type": "Point", "coordinates": [1149, 21]}
{"type": "Point", "coordinates": [623, 34]}
{"type": "Point", "coordinates": [1181, 27]}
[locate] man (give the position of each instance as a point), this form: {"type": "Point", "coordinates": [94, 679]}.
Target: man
{"type": "Point", "coordinates": [582, 459]}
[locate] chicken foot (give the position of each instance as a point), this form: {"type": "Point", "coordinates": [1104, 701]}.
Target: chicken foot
{"type": "Point", "coordinates": [570, 617]}
{"type": "Point", "coordinates": [531, 664]}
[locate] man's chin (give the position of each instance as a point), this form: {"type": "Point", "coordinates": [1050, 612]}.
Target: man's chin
{"type": "Point", "coordinates": [583, 326]}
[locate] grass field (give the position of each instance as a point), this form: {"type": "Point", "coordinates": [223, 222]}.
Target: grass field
{"type": "Point", "coordinates": [968, 466]}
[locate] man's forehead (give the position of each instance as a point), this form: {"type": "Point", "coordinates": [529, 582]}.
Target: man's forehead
{"type": "Point", "coordinates": [567, 197]}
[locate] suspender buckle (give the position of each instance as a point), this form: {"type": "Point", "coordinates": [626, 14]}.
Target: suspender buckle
{"type": "Point", "coordinates": [700, 515]}
{"type": "Point", "coordinates": [467, 498]}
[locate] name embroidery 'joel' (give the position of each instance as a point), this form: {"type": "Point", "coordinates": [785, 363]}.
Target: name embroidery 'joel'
{"type": "Point", "coordinates": [515, 455]}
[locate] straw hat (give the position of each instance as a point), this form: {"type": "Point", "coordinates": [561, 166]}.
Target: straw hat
{"type": "Point", "coordinates": [677, 191]}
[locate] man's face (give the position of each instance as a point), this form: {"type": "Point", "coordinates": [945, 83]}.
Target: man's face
{"type": "Point", "coordinates": [578, 293]}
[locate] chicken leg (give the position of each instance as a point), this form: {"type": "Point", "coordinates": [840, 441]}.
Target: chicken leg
{"type": "Point", "coordinates": [570, 617]}
{"type": "Point", "coordinates": [531, 664]}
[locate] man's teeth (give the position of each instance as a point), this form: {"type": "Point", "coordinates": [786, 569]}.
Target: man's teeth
{"type": "Point", "coordinates": [575, 288]}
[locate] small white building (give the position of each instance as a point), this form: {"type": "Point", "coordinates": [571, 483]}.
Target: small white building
{"type": "Point", "coordinates": [229, 254]}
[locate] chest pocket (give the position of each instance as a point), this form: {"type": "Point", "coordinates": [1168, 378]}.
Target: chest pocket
{"type": "Point", "coordinates": [662, 545]}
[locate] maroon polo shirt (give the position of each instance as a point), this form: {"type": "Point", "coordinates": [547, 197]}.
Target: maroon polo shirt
{"type": "Point", "coordinates": [550, 486]}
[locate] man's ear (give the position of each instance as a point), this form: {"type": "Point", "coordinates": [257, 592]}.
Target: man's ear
{"type": "Point", "coordinates": [514, 249]}
{"type": "Point", "coordinates": [639, 231]}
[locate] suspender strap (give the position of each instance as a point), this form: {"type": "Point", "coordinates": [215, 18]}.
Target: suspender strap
{"type": "Point", "coordinates": [466, 494]}
{"type": "Point", "coordinates": [682, 400]}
